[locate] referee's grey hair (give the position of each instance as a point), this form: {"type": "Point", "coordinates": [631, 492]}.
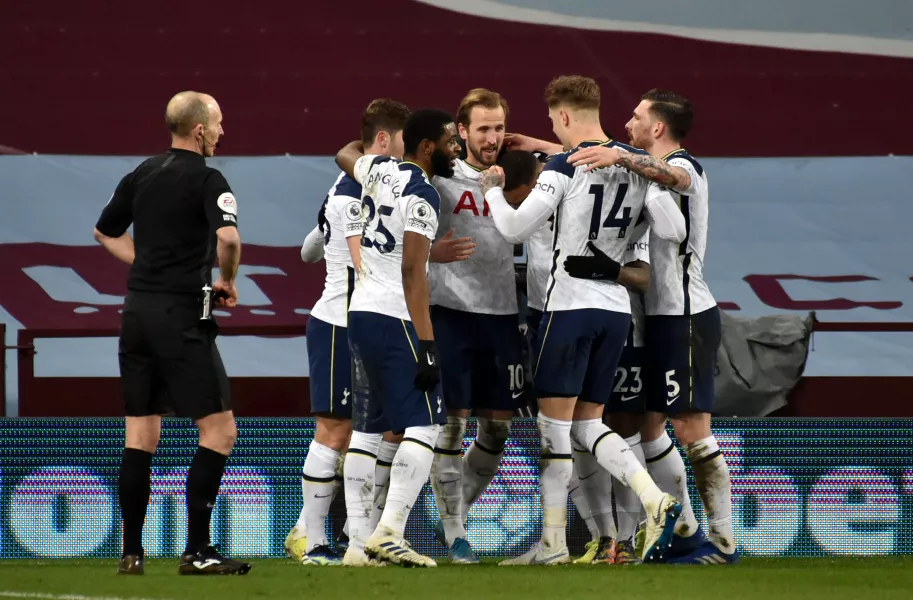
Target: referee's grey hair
{"type": "Point", "coordinates": [185, 111]}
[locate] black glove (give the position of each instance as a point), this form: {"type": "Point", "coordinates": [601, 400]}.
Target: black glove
{"type": "Point", "coordinates": [599, 266]}
{"type": "Point", "coordinates": [429, 374]}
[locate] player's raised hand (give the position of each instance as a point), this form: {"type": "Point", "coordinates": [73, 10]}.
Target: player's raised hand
{"type": "Point", "coordinates": [517, 141]}
{"type": "Point", "coordinates": [595, 157]}
{"type": "Point", "coordinates": [447, 249]}
{"type": "Point", "coordinates": [492, 178]}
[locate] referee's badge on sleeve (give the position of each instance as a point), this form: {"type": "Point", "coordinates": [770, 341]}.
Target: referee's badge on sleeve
{"type": "Point", "coordinates": [227, 203]}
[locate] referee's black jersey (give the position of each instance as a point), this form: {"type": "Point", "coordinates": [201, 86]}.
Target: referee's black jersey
{"type": "Point", "coordinates": [175, 203]}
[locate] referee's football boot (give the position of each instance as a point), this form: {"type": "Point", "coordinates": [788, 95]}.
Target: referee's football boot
{"type": "Point", "coordinates": [208, 561]}
{"type": "Point", "coordinates": [131, 564]}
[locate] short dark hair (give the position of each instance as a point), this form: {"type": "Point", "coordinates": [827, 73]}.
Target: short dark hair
{"type": "Point", "coordinates": [520, 168]}
{"type": "Point", "coordinates": [424, 124]}
{"type": "Point", "coordinates": [479, 97]}
{"type": "Point", "coordinates": [574, 91]}
{"type": "Point", "coordinates": [382, 114]}
{"type": "Point", "coordinates": [672, 109]}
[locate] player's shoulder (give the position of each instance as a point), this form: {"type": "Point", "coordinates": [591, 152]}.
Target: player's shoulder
{"type": "Point", "coordinates": [415, 183]}
{"type": "Point", "coordinates": [372, 163]}
{"type": "Point", "coordinates": [626, 147]}
{"type": "Point", "coordinates": [558, 163]}
{"type": "Point", "coordinates": [682, 158]}
{"type": "Point", "coordinates": [345, 186]}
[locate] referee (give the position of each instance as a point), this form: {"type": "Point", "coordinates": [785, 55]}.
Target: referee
{"type": "Point", "coordinates": [184, 216]}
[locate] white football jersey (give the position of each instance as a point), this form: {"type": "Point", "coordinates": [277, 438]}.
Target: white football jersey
{"type": "Point", "coordinates": [339, 218]}
{"type": "Point", "coordinates": [638, 249]}
{"type": "Point", "coordinates": [396, 197]}
{"type": "Point", "coordinates": [539, 264]}
{"type": "Point", "coordinates": [677, 285]}
{"type": "Point", "coordinates": [602, 206]}
{"type": "Point", "coordinates": [485, 282]}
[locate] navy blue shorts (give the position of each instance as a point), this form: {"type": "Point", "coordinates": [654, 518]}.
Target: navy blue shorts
{"type": "Point", "coordinates": [628, 393]}
{"type": "Point", "coordinates": [384, 354]}
{"type": "Point", "coordinates": [481, 359]}
{"type": "Point", "coordinates": [680, 361]}
{"type": "Point", "coordinates": [330, 366]}
{"type": "Point", "coordinates": [577, 352]}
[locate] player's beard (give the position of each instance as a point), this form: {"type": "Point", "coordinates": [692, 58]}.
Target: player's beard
{"type": "Point", "coordinates": [476, 152]}
{"type": "Point", "coordinates": [441, 164]}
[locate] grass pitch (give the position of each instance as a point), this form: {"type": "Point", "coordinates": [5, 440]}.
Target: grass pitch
{"type": "Point", "coordinates": [761, 579]}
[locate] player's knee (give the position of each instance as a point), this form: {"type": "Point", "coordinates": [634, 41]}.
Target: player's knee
{"type": "Point", "coordinates": [143, 433]}
{"type": "Point", "coordinates": [492, 434]}
{"type": "Point", "coordinates": [586, 433]}
{"type": "Point", "coordinates": [425, 435]}
{"type": "Point", "coordinates": [364, 443]}
{"type": "Point", "coordinates": [218, 434]}
{"type": "Point", "coordinates": [393, 438]}
{"type": "Point", "coordinates": [460, 413]}
{"type": "Point", "coordinates": [691, 427]}
{"type": "Point", "coordinates": [624, 424]}
{"type": "Point", "coordinates": [333, 433]}
{"type": "Point", "coordinates": [653, 427]}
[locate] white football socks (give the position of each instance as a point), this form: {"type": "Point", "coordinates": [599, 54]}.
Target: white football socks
{"type": "Point", "coordinates": [359, 485]}
{"type": "Point", "coordinates": [596, 484]}
{"type": "Point", "coordinates": [616, 457]}
{"type": "Point", "coordinates": [667, 469]}
{"type": "Point", "coordinates": [555, 473]}
{"type": "Point", "coordinates": [318, 486]}
{"type": "Point", "coordinates": [627, 504]}
{"type": "Point", "coordinates": [385, 455]}
{"type": "Point", "coordinates": [480, 465]}
{"type": "Point", "coordinates": [715, 486]}
{"type": "Point", "coordinates": [579, 500]}
{"type": "Point", "coordinates": [411, 467]}
{"type": "Point", "coordinates": [447, 477]}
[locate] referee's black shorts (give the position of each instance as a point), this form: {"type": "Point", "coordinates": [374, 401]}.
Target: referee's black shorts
{"type": "Point", "coordinates": [169, 362]}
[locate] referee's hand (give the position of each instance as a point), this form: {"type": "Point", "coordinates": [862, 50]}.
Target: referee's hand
{"type": "Point", "coordinates": [227, 288]}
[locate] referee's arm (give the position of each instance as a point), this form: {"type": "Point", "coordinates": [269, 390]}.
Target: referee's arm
{"type": "Point", "coordinates": [116, 218]}
{"type": "Point", "coordinates": [222, 214]}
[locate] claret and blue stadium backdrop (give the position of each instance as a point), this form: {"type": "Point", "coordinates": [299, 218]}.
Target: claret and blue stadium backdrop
{"type": "Point", "coordinates": [800, 488]}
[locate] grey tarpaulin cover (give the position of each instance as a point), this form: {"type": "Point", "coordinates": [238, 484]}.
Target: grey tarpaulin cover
{"type": "Point", "coordinates": [760, 360]}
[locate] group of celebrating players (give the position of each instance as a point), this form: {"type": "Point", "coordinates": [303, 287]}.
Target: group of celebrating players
{"type": "Point", "coordinates": [622, 326]}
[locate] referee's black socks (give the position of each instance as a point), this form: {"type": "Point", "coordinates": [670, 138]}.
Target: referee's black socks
{"type": "Point", "coordinates": [203, 483]}
{"type": "Point", "coordinates": [133, 485]}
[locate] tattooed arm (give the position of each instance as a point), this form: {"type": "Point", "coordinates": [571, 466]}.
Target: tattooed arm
{"type": "Point", "coordinates": [644, 165]}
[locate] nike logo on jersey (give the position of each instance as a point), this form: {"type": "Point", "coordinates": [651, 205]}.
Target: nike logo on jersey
{"type": "Point", "coordinates": [516, 395]}
{"type": "Point", "coordinates": [627, 398]}
{"type": "Point", "coordinates": [588, 476]}
{"type": "Point", "coordinates": [324, 496]}
{"type": "Point", "coordinates": [671, 400]}
{"type": "Point", "coordinates": [202, 564]}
